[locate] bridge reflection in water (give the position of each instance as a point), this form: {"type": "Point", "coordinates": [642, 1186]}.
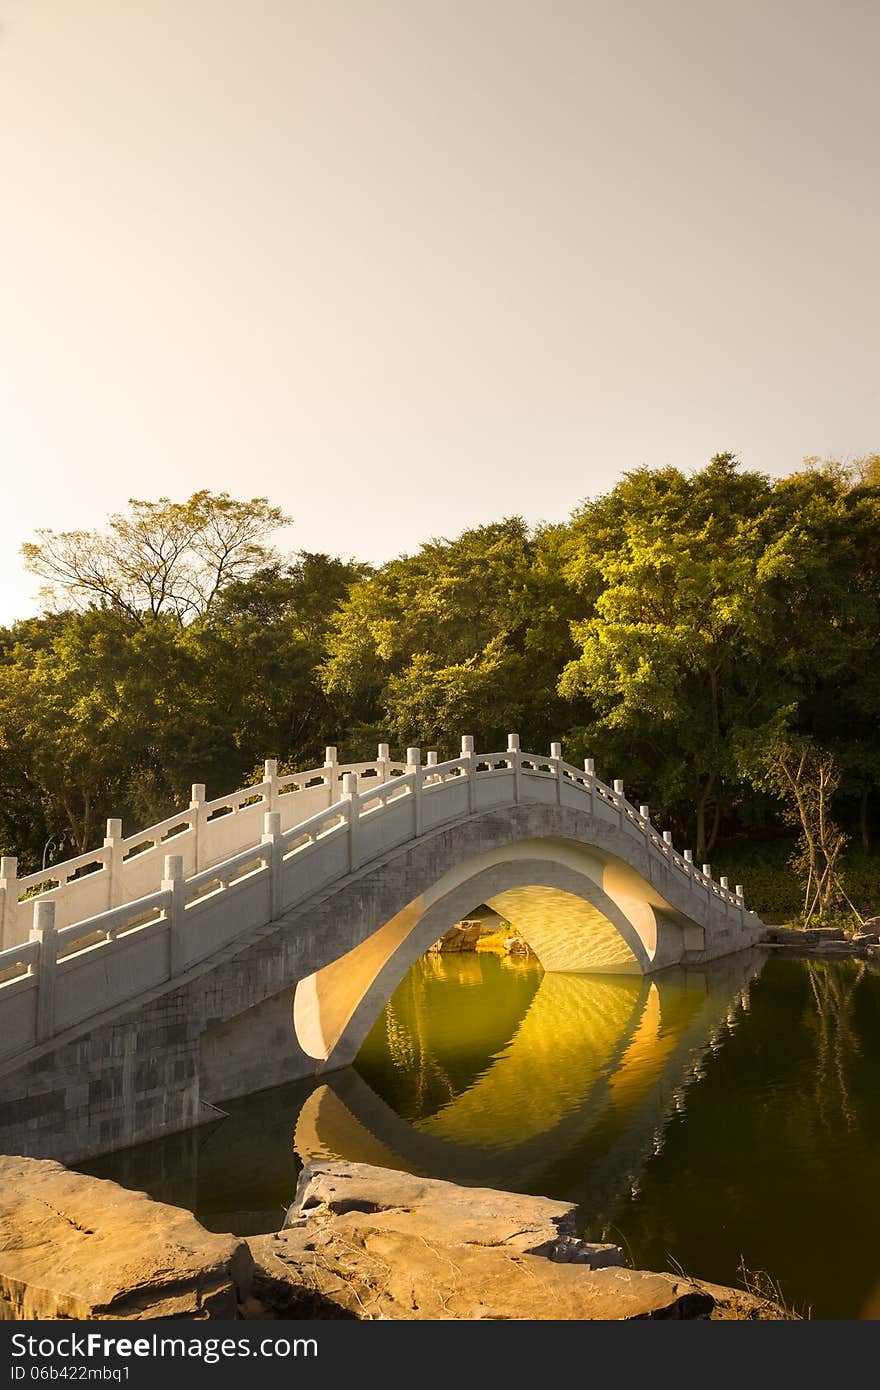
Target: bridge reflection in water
{"type": "Point", "coordinates": [583, 1073]}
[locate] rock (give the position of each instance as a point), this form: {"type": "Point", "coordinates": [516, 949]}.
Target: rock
{"type": "Point", "coordinates": [384, 1244]}
{"type": "Point", "coordinates": [73, 1246]}
{"type": "Point", "coordinates": [866, 938]}
{"type": "Point", "coordinates": [369, 1268]}
{"type": "Point", "coordinates": [871, 924]}
{"type": "Point", "coordinates": [445, 1211]}
{"type": "Point", "coordinates": [517, 946]}
{"type": "Point", "coordinates": [462, 937]}
{"type": "Point", "coordinates": [802, 936]}
{"type": "Point", "coordinates": [359, 1242]}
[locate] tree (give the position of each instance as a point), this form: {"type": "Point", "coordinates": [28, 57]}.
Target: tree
{"type": "Point", "coordinates": [96, 719]}
{"type": "Point", "coordinates": [676, 653]}
{"type": "Point", "coordinates": [467, 635]}
{"type": "Point", "coordinates": [160, 558]}
{"type": "Point", "coordinates": [261, 649]}
{"type": "Point", "coordinates": [805, 778]}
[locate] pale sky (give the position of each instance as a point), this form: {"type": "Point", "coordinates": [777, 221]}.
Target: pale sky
{"type": "Point", "coordinates": [409, 265]}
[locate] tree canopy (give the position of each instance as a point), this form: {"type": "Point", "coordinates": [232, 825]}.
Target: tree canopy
{"type": "Point", "coordinates": [160, 557]}
{"type": "Point", "coordinates": [674, 629]}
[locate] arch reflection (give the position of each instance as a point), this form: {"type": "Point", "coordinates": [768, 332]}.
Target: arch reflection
{"type": "Point", "coordinates": [574, 1099]}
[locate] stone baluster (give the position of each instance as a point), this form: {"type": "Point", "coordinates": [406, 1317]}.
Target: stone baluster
{"type": "Point", "coordinates": [590, 770]}
{"type": "Point", "coordinates": [414, 766]}
{"type": "Point", "coordinates": [43, 930]}
{"type": "Point", "coordinates": [621, 801]}
{"type": "Point", "coordinates": [513, 749]}
{"type": "Point", "coordinates": [467, 751]}
{"type": "Point", "coordinates": [113, 863]}
{"type": "Point", "coordinates": [270, 775]}
{"type": "Point", "coordinates": [556, 753]}
{"type": "Point", "coordinates": [350, 795]}
{"type": "Point", "coordinates": [174, 883]}
{"type": "Point", "coordinates": [8, 901]}
{"type": "Point", "coordinates": [331, 765]}
{"type": "Point", "coordinates": [383, 761]}
{"type": "Point", "coordinates": [272, 838]}
{"type": "Point", "coordinates": [198, 820]}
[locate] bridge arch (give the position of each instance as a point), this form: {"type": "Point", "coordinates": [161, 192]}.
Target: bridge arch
{"type": "Point", "coordinates": [578, 912]}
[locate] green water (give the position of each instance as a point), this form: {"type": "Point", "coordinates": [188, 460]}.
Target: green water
{"type": "Point", "coordinates": [702, 1119]}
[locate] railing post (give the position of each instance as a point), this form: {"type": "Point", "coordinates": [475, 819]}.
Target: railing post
{"type": "Point", "coordinates": [513, 747]}
{"type": "Point", "coordinates": [725, 882]}
{"type": "Point", "coordinates": [740, 893]}
{"type": "Point", "coordinates": [431, 759]}
{"type": "Point", "coordinates": [43, 930]}
{"type": "Point", "coordinates": [331, 763]}
{"type": "Point", "coordinates": [590, 770]}
{"type": "Point", "coordinates": [113, 842]}
{"type": "Point", "coordinates": [414, 765]}
{"type": "Point", "coordinates": [272, 837]}
{"type": "Point", "coordinates": [383, 758]}
{"type": "Point", "coordinates": [707, 871]}
{"type": "Point", "coordinates": [270, 775]}
{"type": "Point", "coordinates": [645, 812]}
{"type": "Point", "coordinates": [198, 820]}
{"type": "Point", "coordinates": [556, 752]}
{"type": "Point", "coordinates": [467, 751]}
{"type": "Point", "coordinates": [350, 794]}
{"type": "Point", "coordinates": [9, 903]}
{"type": "Point", "coordinates": [667, 839]}
{"type": "Point", "coordinates": [621, 805]}
{"type": "Point", "coordinates": [173, 883]}
{"type": "Point", "coordinates": [689, 860]}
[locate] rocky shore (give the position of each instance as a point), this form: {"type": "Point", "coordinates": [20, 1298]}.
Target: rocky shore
{"type": "Point", "coordinates": [831, 942]}
{"type": "Point", "coordinates": [358, 1242]}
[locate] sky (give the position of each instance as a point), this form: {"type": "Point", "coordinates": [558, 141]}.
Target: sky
{"type": "Point", "coordinates": [406, 266]}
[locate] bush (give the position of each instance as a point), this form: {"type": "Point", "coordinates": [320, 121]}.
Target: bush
{"type": "Point", "coordinates": [772, 887]}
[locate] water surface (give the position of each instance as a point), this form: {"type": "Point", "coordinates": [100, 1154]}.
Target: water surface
{"type": "Point", "coordinates": [705, 1119]}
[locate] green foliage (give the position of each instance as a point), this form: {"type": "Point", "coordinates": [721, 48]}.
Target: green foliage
{"type": "Point", "coordinates": [723, 610]}
{"type": "Point", "coordinates": [465, 636]}
{"type": "Point", "coordinates": [673, 629]}
{"type": "Point", "coordinates": [160, 557]}
{"type": "Point", "coordinates": [773, 888]}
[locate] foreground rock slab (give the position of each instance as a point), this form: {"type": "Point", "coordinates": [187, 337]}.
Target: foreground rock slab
{"type": "Point", "coordinates": [359, 1242]}
{"type": "Point", "coordinates": [382, 1244]}
{"type": "Point", "coordinates": [73, 1246]}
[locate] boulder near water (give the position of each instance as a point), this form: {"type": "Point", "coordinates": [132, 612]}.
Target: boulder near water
{"type": "Point", "coordinates": [359, 1242]}
{"type": "Point", "coordinates": [74, 1246]}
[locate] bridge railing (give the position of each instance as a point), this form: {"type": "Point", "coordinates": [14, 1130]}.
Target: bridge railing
{"type": "Point", "coordinates": [203, 833]}
{"type": "Point", "coordinates": [69, 971]}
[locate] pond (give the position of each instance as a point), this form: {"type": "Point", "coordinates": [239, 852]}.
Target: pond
{"type": "Point", "coordinates": [715, 1120]}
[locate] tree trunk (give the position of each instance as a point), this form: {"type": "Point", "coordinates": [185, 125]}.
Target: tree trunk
{"type": "Point", "coordinates": [716, 826]}
{"type": "Point", "coordinates": [702, 803]}
{"type": "Point", "coordinates": [864, 828]}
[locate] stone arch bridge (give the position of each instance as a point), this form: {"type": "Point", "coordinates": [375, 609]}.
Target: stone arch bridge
{"type": "Point", "coordinates": [256, 938]}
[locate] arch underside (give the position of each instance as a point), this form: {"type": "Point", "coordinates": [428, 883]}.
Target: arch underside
{"type": "Point", "coordinates": [581, 912]}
